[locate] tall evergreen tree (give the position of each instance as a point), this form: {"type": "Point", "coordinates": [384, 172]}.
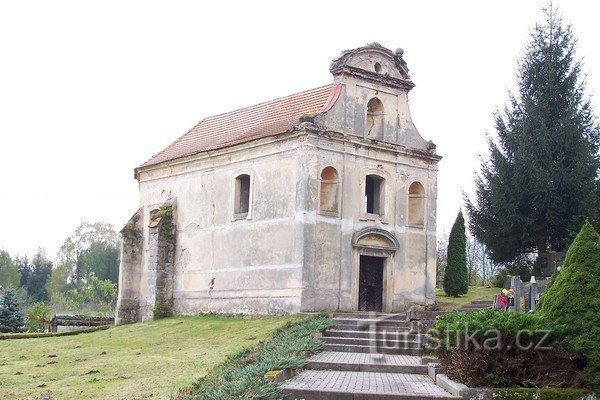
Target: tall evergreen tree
{"type": "Point", "coordinates": [541, 180]}
{"type": "Point", "coordinates": [41, 269]}
{"type": "Point", "coordinates": [11, 318]}
{"type": "Point", "coordinates": [9, 273]}
{"type": "Point", "coordinates": [24, 268]}
{"type": "Point", "coordinates": [456, 279]}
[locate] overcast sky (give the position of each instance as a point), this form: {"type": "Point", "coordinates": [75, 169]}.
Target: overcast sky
{"type": "Point", "coordinates": [90, 90]}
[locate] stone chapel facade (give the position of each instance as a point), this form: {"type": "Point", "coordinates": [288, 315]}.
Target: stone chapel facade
{"type": "Point", "coordinates": [322, 200]}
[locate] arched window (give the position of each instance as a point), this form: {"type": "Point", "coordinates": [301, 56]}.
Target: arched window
{"type": "Point", "coordinates": [374, 119]}
{"type": "Point", "coordinates": [374, 192]}
{"type": "Point", "coordinates": [416, 205]}
{"type": "Point", "coordinates": [242, 196]}
{"type": "Point", "coordinates": [328, 198]}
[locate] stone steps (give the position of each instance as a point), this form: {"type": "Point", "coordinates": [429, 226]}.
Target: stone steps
{"type": "Point", "coordinates": [355, 385]}
{"type": "Point", "coordinates": [372, 333]}
{"type": "Point", "coordinates": [403, 334]}
{"type": "Point", "coordinates": [379, 343]}
{"type": "Point", "coordinates": [366, 323]}
{"type": "Point", "coordinates": [477, 305]}
{"type": "Point", "coordinates": [370, 315]}
{"type": "Point", "coordinates": [372, 349]}
{"type": "Point", "coordinates": [484, 302]}
{"type": "Point", "coordinates": [341, 361]}
{"type": "Point", "coordinates": [366, 356]}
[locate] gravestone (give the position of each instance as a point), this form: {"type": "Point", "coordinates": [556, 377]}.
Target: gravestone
{"type": "Point", "coordinates": [515, 284]}
{"type": "Point", "coordinates": [534, 295]}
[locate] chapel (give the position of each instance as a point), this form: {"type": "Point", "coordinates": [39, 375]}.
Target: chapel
{"type": "Point", "coordinates": [323, 200]}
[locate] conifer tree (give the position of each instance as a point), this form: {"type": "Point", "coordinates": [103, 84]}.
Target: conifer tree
{"type": "Point", "coordinates": [571, 302]}
{"type": "Point", "coordinates": [456, 279]}
{"type": "Point", "coordinates": [9, 273]}
{"type": "Point", "coordinates": [541, 181]}
{"type": "Point", "coordinates": [11, 318]}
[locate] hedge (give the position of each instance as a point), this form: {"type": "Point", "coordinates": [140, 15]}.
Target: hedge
{"type": "Point", "coordinates": [10, 336]}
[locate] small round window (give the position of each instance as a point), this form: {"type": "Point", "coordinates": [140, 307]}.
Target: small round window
{"type": "Point", "coordinates": [377, 67]}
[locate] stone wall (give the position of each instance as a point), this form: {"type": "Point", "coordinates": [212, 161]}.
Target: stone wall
{"type": "Point", "coordinates": [163, 238]}
{"type": "Point", "coordinates": [128, 303]}
{"type": "Point", "coordinates": [156, 256]}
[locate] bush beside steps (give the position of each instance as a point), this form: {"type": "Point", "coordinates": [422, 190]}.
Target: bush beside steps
{"type": "Point", "coordinates": [528, 394]}
{"type": "Point", "coordinates": [242, 375]}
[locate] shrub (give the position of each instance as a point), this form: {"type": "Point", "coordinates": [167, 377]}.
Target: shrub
{"type": "Point", "coordinates": [500, 278]}
{"type": "Point", "coordinates": [456, 278]}
{"type": "Point", "coordinates": [242, 376]}
{"type": "Point", "coordinates": [509, 323]}
{"type": "Point", "coordinates": [36, 315]}
{"type": "Point", "coordinates": [490, 348]}
{"type": "Point", "coordinates": [571, 303]}
{"type": "Point", "coordinates": [11, 318]}
{"type": "Point", "coordinates": [161, 311]}
{"type": "Point", "coordinates": [535, 394]}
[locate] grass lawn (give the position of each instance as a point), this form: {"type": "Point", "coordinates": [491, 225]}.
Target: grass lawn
{"type": "Point", "coordinates": [447, 303]}
{"type": "Point", "coordinates": [139, 361]}
{"type": "Point", "coordinates": [242, 376]}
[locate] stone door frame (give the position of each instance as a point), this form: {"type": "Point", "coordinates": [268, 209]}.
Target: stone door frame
{"type": "Point", "coordinates": [380, 243]}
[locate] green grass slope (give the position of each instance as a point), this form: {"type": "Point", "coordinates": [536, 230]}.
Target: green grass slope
{"type": "Point", "coordinates": [140, 361]}
{"type": "Point", "coordinates": [449, 303]}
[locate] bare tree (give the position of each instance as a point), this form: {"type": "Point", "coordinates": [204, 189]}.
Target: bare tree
{"type": "Point", "coordinates": [481, 268]}
{"type": "Point", "coordinates": [442, 259]}
{"type": "Point", "coordinates": [473, 260]}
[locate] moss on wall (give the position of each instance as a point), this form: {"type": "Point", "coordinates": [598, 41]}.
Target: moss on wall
{"type": "Point", "coordinates": [163, 218]}
{"type": "Point", "coordinates": [131, 229]}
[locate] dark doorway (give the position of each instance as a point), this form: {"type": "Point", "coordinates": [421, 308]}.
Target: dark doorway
{"type": "Point", "coordinates": [370, 290]}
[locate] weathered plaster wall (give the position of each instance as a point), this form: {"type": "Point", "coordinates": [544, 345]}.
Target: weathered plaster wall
{"type": "Point", "coordinates": [225, 264]}
{"type": "Point", "coordinates": [331, 262]}
{"type": "Point", "coordinates": [286, 256]}
{"type": "Point", "coordinates": [349, 114]}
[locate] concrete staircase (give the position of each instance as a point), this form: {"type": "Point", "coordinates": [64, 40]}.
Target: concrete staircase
{"type": "Point", "coordinates": [364, 333]}
{"type": "Point", "coordinates": [366, 356]}
{"type": "Point", "coordinates": [477, 305]}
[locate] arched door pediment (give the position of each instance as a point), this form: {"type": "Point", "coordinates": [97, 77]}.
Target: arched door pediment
{"type": "Point", "coordinates": [374, 238]}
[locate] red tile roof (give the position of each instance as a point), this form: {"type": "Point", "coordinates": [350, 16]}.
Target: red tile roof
{"type": "Point", "coordinates": [261, 120]}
